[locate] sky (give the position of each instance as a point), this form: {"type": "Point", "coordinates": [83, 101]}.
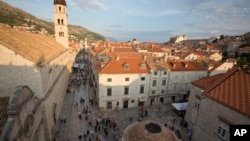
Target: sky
{"type": "Point", "coordinates": [150, 20]}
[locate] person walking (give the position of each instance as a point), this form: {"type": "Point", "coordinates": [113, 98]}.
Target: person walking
{"type": "Point", "coordinates": [130, 119]}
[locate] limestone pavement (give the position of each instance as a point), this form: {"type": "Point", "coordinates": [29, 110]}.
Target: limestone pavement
{"type": "Point", "coordinates": [75, 127]}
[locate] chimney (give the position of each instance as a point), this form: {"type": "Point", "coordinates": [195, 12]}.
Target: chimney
{"type": "Point", "coordinates": [186, 65]}
{"type": "Point", "coordinates": [112, 49]}
{"type": "Point", "coordinates": [174, 65]}
{"type": "Point", "coordinates": [144, 57]}
{"type": "Point", "coordinates": [117, 58]}
{"type": "Point", "coordinates": [165, 57]}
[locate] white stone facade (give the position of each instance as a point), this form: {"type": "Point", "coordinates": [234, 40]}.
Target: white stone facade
{"type": "Point", "coordinates": [223, 68]}
{"type": "Point", "coordinates": [179, 82]}
{"type": "Point", "coordinates": [118, 83]}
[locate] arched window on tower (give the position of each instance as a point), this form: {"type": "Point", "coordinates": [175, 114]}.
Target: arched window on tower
{"type": "Point", "coordinates": [58, 21]}
{"type": "Point", "coordinates": [62, 21]}
{"type": "Point", "coordinates": [59, 8]}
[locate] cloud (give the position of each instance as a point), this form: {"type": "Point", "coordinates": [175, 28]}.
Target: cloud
{"type": "Point", "coordinates": [144, 8]}
{"type": "Point", "coordinates": [218, 17]}
{"type": "Point", "coordinates": [91, 5]}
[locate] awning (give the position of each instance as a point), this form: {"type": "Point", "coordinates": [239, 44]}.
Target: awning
{"type": "Point", "coordinates": [180, 106]}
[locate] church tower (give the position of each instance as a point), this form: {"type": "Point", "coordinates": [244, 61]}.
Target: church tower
{"type": "Point", "coordinates": [61, 22]}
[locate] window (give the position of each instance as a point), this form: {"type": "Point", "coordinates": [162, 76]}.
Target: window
{"type": "Point", "coordinates": [141, 89]}
{"type": "Point", "coordinates": [132, 101]}
{"type": "Point", "coordinates": [126, 79]}
{"type": "Point", "coordinates": [142, 78]}
{"type": "Point", "coordinates": [109, 91]}
{"type": "Point", "coordinates": [197, 104]}
{"type": "Point", "coordinates": [154, 83]}
{"type": "Point", "coordinates": [142, 66]}
{"type": "Point", "coordinates": [58, 21]}
{"type": "Point", "coordinates": [60, 8]}
{"type": "Point", "coordinates": [126, 90]}
{"type": "Point", "coordinates": [109, 105]}
{"type": "Point", "coordinates": [163, 82]}
{"type": "Point", "coordinates": [109, 80]}
{"type": "Point", "coordinates": [153, 92]}
{"type": "Point", "coordinates": [155, 72]}
{"type": "Point", "coordinates": [222, 130]}
{"type": "Point", "coordinates": [186, 86]}
{"type": "Point", "coordinates": [162, 91]}
{"type": "Point", "coordinates": [62, 21]}
{"type": "Point", "coordinates": [61, 34]}
{"type": "Point", "coordinates": [165, 73]}
{"type": "Point", "coordinates": [126, 66]}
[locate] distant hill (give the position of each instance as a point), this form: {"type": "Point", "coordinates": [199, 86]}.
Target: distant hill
{"type": "Point", "coordinates": [18, 18]}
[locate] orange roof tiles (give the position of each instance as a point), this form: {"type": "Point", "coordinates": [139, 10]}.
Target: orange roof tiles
{"type": "Point", "coordinates": [33, 47]}
{"type": "Point", "coordinates": [123, 49]}
{"type": "Point", "coordinates": [155, 49]}
{"type": "Point", "coordinates": [124, 54]}
{"type": "Point", "coordinates": [206, 82]}
{"type": "Point", "coordinates": [232, 90]}
{"type": "Point", "coordinates": [184, 66]}
{"type": "Point", "coordinates": [116, 66]}
{"type": "Point", "coordinates": [4, 102]}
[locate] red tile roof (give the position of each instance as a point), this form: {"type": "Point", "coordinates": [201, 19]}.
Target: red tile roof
{"type": "Point", "coordinates": [116, 66]}
{"type": "Point", "coordinates": [206, 82]}
{"type": "Point", "coordinates": [4, 102]}
{"type": "Point", "coordinates": [185, 66]}
{"type": "Point", "coordinates": [232, 90]}
{"type": "Point", "coordinates": [123, 49]}
{"type": "Point", "coordinates": [34, 47]}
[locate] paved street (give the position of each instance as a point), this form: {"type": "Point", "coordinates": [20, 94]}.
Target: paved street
{"type": "Point", "coordinates": [71, 127]}
{"type": "Point", "coordinates": [74, 127]}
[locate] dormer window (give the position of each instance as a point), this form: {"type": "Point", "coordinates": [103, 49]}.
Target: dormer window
{"type": "Point", "coordinates": [143, 66]}
{"type": "Point", "coordinates": [126, 66]}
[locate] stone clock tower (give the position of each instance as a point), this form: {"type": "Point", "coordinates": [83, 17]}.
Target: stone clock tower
{"type": "Point", "coordinates": [61, 22]}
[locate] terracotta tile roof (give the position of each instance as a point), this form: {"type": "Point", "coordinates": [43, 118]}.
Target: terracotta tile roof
{"type": "Point", "coordinates": [33, 47]}
{"type": "Point", "coordinates": [206, 82]}
{"type": "Point", "coordinates": [4, 102]}
{"type": "Point", "coordinates": [185, 66]}
{"type": "Point", "coordinates": [232, 90]}
{"type": "Point", "coordinates": [117, 66]}
{"type": "Point", "coordinates": [201, 53]}
{"type": "Point", "coordinates": [155, 49]}
{"type": "Point", "coordinates": [123, 49]}
{"type": "Point", "coordinates": [214, 64]}
{"type": "Point", "coordinates": [124, 54]}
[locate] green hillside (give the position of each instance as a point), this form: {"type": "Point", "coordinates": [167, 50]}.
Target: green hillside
{"type": "Point", "coordinates": [17, 17]}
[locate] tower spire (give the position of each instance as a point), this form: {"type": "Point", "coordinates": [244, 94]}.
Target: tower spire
{"type": "Point", "coordinates": [61, 22]}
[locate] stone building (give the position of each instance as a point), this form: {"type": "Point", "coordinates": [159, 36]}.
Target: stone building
{"type": "Point", "coordinates": [34, 75]}
{"type": "Point", "coordinates": [123, 83]}
{"type": "Point", "coordinates": [61, 22]}
{"type": "Point", "coordinates": [216, 102]}
{"type": "Point", "coordinates": [148, 131]}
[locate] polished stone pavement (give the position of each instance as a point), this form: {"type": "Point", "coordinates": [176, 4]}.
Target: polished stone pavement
{"type": "Point", "coordinates": [74, 127]}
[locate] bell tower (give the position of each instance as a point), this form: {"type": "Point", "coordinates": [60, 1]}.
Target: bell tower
{"type": "Point", "coordinates": [61, 22]}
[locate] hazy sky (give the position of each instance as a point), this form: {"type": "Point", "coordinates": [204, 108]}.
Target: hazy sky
{"type": "Point", "coordinates": [150, 20]}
